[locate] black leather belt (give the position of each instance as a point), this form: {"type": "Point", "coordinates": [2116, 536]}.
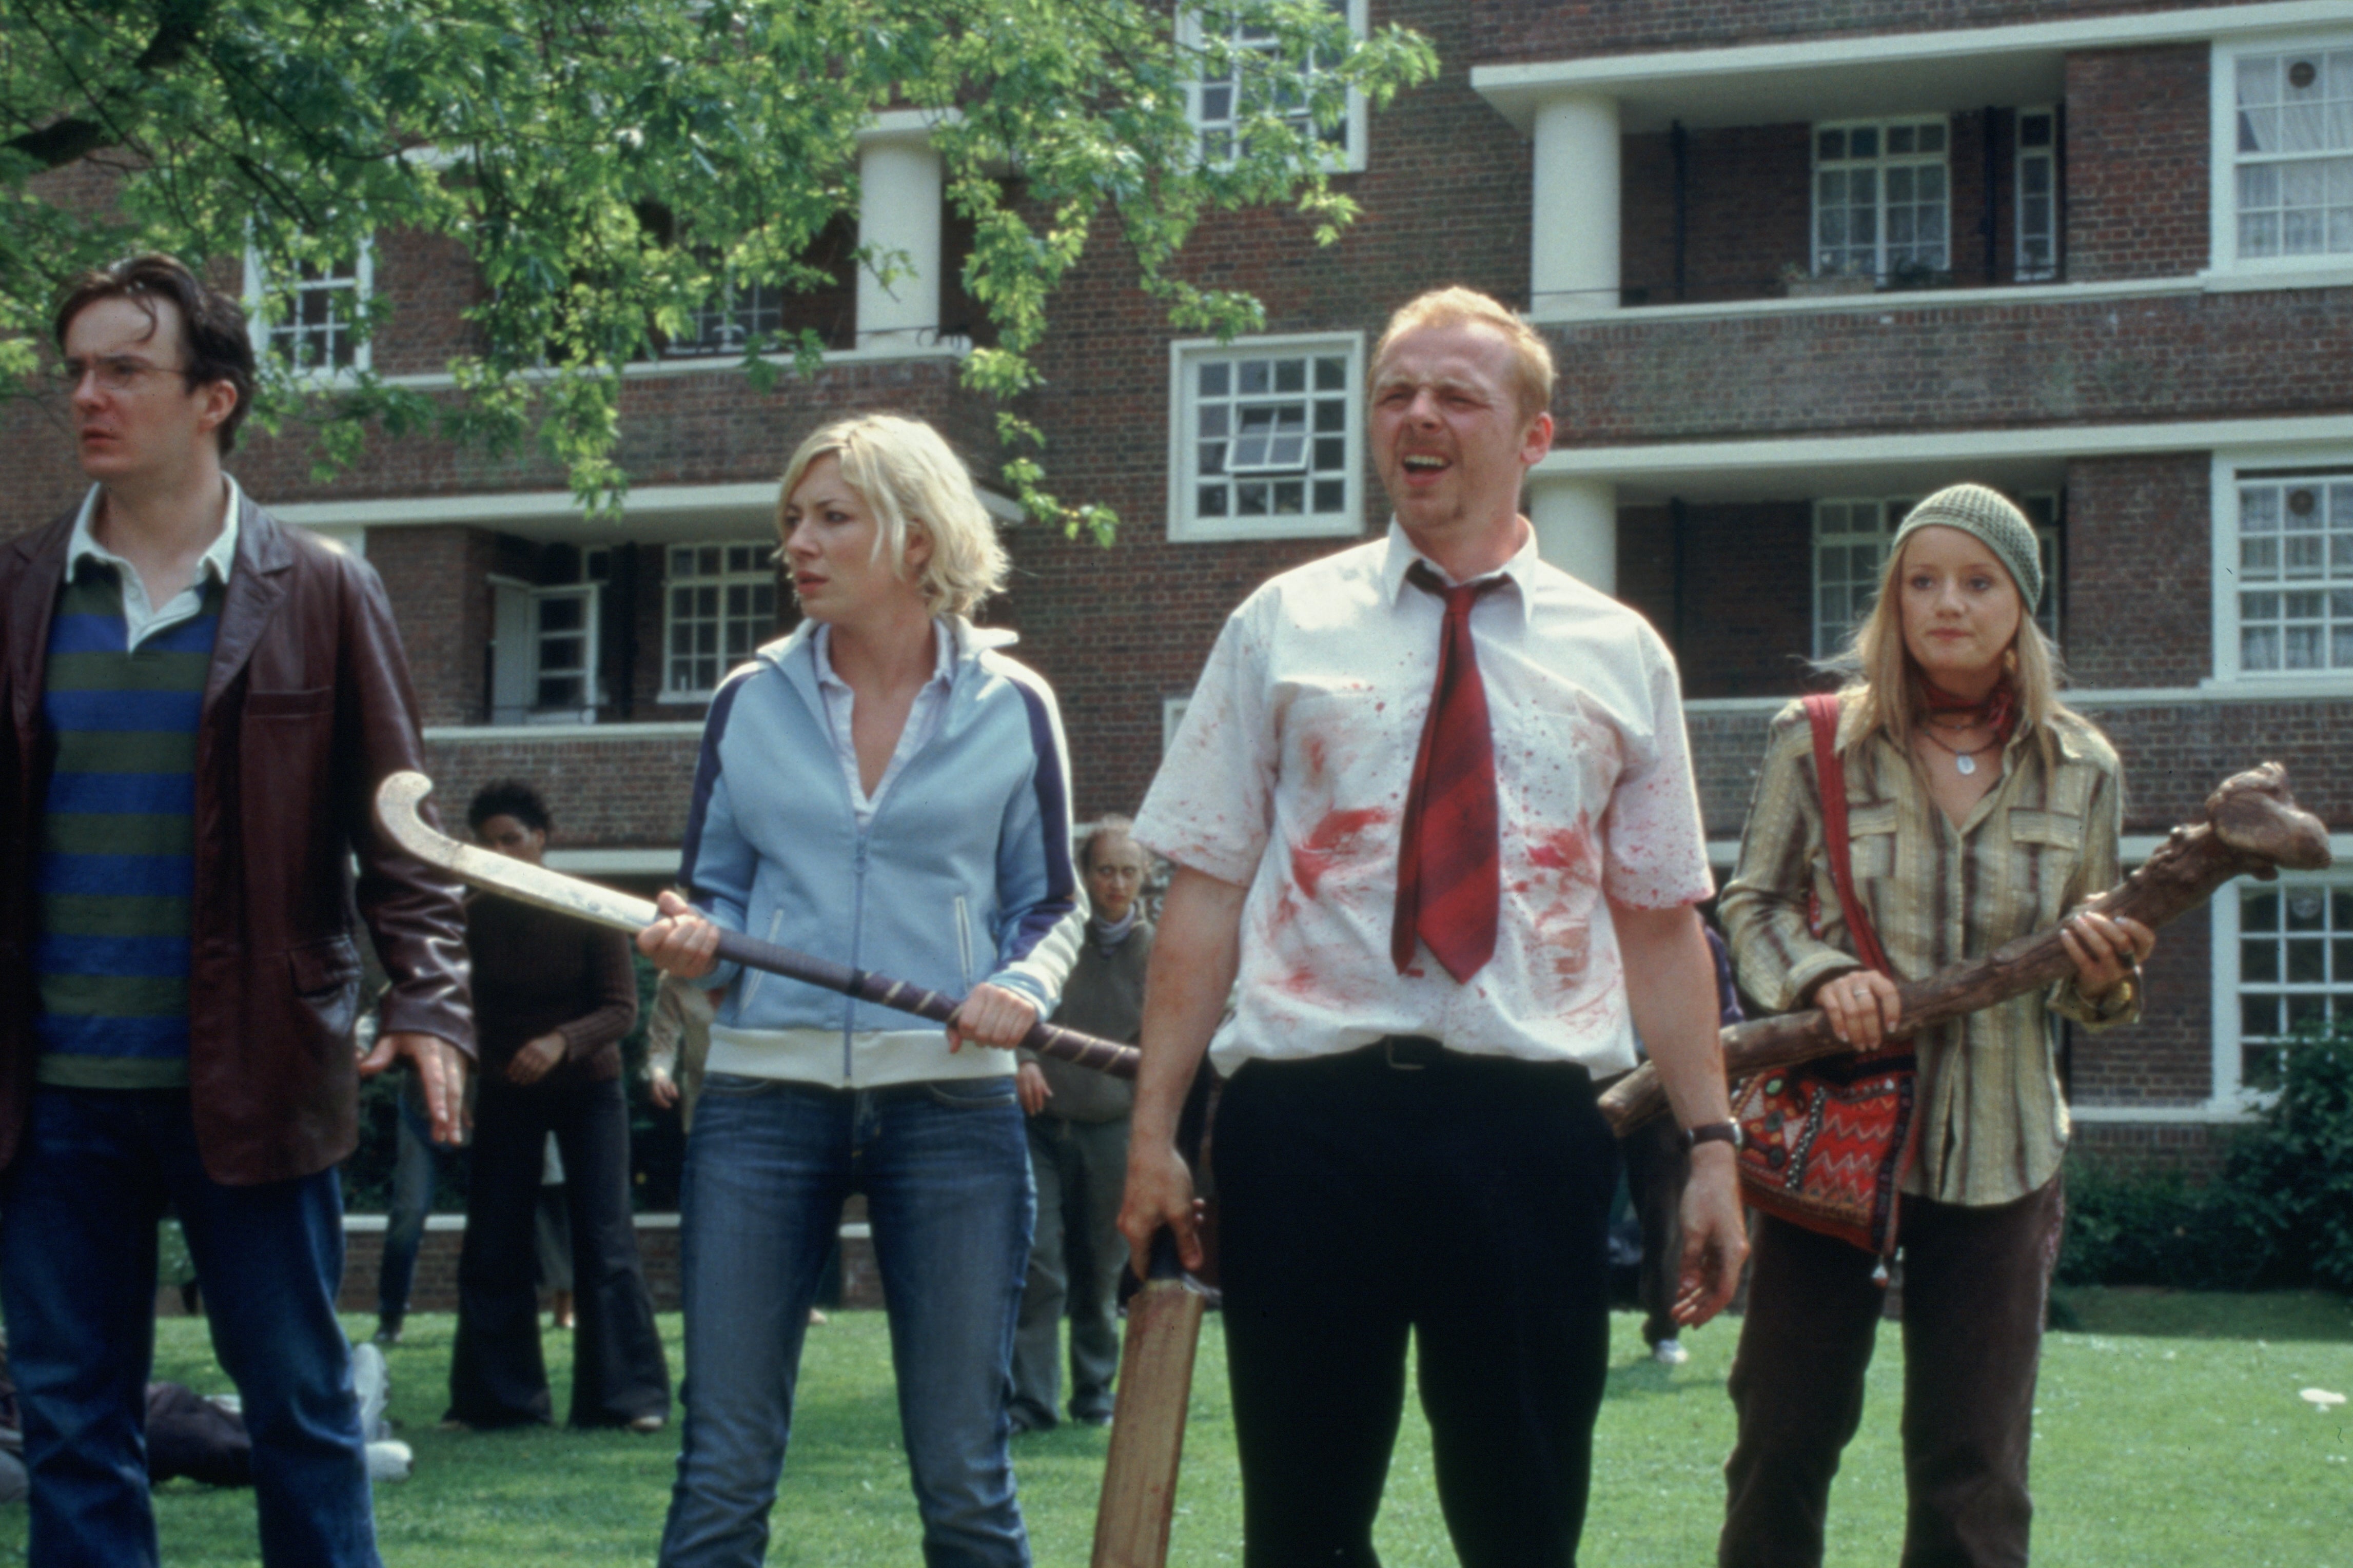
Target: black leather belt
{"type": "Point", "coordinates": [1410, 1053]}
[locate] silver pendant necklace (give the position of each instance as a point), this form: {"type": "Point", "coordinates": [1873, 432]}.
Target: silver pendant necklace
{"type": "Point", "coordinates": [1964, 762]}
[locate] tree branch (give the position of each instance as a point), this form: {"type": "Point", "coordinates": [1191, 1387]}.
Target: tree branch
{"type": "Point", "coordinates": [63, 140]}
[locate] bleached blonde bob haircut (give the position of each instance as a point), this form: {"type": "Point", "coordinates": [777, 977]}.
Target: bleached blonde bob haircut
{"type": "Point", "coordinates": [1531, 366]}
{"type": "Point", "coordinates": [914, 485]}
{"type": "Point", "coordinates": [1877, 665]}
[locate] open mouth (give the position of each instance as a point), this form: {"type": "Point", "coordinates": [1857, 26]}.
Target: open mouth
{"type": "Point", "coordinates": [1423, 463]}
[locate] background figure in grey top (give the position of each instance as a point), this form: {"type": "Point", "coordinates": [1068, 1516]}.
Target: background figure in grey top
{"type": "Point", "coordinates": [1077, 1153]}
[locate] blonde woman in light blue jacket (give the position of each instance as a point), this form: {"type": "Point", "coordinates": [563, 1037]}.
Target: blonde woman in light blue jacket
{"type": "Point", "coordinates": [884, 788]}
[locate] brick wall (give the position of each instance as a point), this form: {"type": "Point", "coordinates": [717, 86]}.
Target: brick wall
{"type": "Point", "coordinates": [2191, 1148]}
{"type": "Point", "coordinates": [1739, 624]}
{"type": "Point", "coordinates": [2138, 605]}
{"type": "Point", "coordinates": [436, 579]}
{"type": "Point", "coordinates": [2136, 176]}
{"type": "Point", "coordinates": [2167, 1057]}
{"type": "Point", "coordinates": [434, 1287]}
{"type": "Point", "coordinates": [1914, 364]}
{"type": "Point", "coordinates": [1505, 31]}
{"type": "Point", "coordinates": [605, 794]}
{"type": "Point", "coordinates": [1747, 211]}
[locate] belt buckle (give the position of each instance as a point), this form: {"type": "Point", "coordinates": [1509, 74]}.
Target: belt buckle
{"type": "Point", "coordinates": [1388, 1055]}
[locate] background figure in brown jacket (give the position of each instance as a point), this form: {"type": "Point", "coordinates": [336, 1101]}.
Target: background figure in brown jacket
{"type": "Point", "coordinates": [1078, 1151]}
{"type": "Point", "coordinates": [554, 997]}
{"type": "Point", "coordinates": [199, 705]}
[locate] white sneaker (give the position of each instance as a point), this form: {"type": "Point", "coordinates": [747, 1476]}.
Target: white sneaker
{"type": "Point", "coordinates": [1669, 1352]}
{"type": "Point", "coordinates": [389, 1460]}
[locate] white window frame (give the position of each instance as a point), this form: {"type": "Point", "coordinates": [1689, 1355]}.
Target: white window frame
{"type": "Point", "coordinates": [262, 293]}
{"type": "Point", "coordinates": [1349, 158]}
{"type": "Point", "coordinates": [2025, 269]}
{"type": "Point", "coordinates": [1829, 640]}
{"type": "Point", "coordinates": [1881, 268]}
{"type": "Point", "coordinates": [1172, 719]}
{"type": "Point", "coordinates": [1184, 358]}
{"type": "Point", "coordinates": [1892, 510]}
{"type": "Point", "coordinates": [2229, 1090]}
{"type": "Point", "coordinates": [726, 310]}
{"type": "Point", "coordinates": [761, 574]}
{"type": "Point", "coordinates": [2222, 182]}
{"type": "Point", "coordinates": [2320, 467]}
{"type": "Point", "coordinates": [515, 634]}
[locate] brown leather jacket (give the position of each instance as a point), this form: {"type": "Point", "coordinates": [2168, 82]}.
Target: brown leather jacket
{"type": "Point", "coordinates": [307, 707]}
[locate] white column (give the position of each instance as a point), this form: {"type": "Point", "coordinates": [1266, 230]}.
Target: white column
{"type": "Point", "coordinates": [1577, 528]}
{"type": "Point", "coordinates": [1573, 228]}
{"type": "Point", "coordinates": [899, 184]}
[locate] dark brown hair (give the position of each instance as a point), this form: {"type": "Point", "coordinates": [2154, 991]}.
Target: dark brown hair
{"type": "Point", "coordinates": [508, 797]}
{"type": "Point", "coordinates": [212, 334]}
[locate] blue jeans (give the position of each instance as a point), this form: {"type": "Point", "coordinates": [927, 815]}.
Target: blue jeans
{"type": "Point", "coordinates": [946, 1171]}
{"type": "Point", "coordinates": [414, 1167]}
{"type": "Point", "coordinates": [78, 1278]}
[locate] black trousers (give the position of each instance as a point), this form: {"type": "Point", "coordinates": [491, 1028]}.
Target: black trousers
{"type": "Point", "coordinates": [1976, 1284]}
{"type": "Point", "coordinates": [1657, 1171]}
{"type": "Point", "coordinates": [1404, 1191]}
{"type": "Point", "coordinates": [496, 1377]}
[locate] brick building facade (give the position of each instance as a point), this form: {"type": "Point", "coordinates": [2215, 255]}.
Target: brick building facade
{"type": "Point", "coordinates": [1801, 263]}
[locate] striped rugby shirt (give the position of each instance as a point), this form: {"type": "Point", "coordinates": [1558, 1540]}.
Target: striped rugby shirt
{"type": "Point", "coordinates": [1993, 1124]}
{"type": "Point", "coordinates": [122, 696]}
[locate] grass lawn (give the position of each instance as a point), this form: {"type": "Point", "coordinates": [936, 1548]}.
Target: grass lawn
{"type": "Point", "coordinates": [2169, 1430]}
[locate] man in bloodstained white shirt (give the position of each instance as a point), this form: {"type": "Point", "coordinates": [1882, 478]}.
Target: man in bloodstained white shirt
{"type": "Point", "coordinates": [1408, 1143]}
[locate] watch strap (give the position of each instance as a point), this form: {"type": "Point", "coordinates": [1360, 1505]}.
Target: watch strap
{"type": "Point", "coordinates": [1710, 1132]}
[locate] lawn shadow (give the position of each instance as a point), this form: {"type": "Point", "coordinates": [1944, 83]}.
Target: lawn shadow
{"type": "Point", "coordinates": [1646, 1379]}
{"type": "Point", "coordinates": [2160, 1312]}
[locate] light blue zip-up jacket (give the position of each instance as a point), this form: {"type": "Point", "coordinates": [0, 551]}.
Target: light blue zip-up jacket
{"type": "Point", "coordinates": [962, 873]}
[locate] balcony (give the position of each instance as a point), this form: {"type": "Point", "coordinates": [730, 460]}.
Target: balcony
{"type": "Point", "coordinates": [2031, 156]}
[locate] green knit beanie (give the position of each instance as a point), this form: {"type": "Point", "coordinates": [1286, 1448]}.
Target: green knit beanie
{"type": "Point", "coordinates": [1987, 517]}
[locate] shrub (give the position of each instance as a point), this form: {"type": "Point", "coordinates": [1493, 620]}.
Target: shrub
{"type": "Point", "coordinates": [2293, 1174]}
{"type": "Point", "coordinates": [2279, 1212]}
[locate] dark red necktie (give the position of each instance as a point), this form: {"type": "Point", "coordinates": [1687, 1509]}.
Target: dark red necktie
{"type": "Point", "coordinates": [1450, 876]}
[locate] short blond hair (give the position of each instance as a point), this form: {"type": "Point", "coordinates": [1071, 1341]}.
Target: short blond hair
{"type": "Point", "coordinates": [1531, 366]}
{"type": "Point", "coordinates": [1880, 667]}
{"type": "Point", "coordinates": [910, 479]}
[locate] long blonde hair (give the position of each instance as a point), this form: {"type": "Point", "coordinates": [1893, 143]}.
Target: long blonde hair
{"type": "Point", "coordinates": [1885, 683]}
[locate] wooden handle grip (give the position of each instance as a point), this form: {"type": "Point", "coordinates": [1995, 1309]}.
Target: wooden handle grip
{"type": "Point", "coordinates": [1046, 1039]}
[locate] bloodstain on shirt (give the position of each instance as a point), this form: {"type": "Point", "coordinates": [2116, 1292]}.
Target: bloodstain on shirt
{"type": "Point", "coordinates": [1569, 849]}
{"type": "Point", "coordinates": [1339, 836]}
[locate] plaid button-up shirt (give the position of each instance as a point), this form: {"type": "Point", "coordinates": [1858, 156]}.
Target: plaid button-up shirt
{"type": "Point", "coordinates": [1993, 1124]}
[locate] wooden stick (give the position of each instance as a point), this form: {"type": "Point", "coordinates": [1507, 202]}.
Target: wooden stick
{"type": "Point", "coordinates": [396, 802]}
{"type": "Point", "coordinates": [1138, 1501]}
{"type": "Point", "coordinates": [2250, 827]}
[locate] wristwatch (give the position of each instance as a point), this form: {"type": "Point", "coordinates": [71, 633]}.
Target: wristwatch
{"type": "Point", "coordinates": [1710, 1132]}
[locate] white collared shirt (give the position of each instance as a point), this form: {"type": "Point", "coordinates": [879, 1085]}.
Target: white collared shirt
{"type": "Point", "coordinates": [1289, 777]}
{"type": "Point", "coordinates": [142, 620]}
{"type": "Point", "coordinates": [931, 705]}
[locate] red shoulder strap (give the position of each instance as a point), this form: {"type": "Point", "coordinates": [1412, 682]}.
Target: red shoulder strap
{"type": "Point", "coordinates": [1829, 775]}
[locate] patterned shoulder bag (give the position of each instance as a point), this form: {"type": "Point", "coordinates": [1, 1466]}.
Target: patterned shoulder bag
{"type": "Point", "coordinates": [1826, 1144]}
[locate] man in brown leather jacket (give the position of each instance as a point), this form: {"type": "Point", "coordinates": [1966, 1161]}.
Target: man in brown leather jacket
{"type": "Point", "coordinates": [199, 704]}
